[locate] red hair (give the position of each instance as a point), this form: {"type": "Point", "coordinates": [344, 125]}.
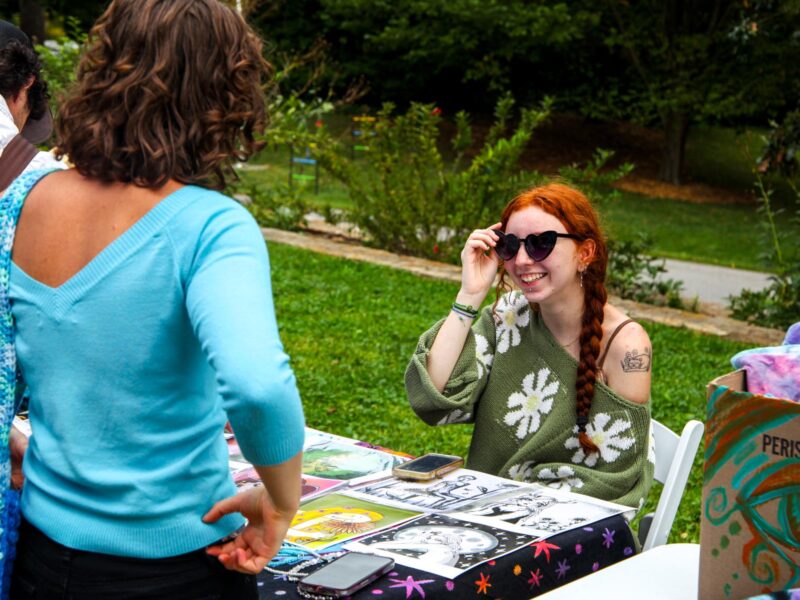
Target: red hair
{"type": "Point", "coordinates": [575, 211]}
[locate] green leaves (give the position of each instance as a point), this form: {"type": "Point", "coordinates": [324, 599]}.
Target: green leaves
{"type": "Point", "coordinates": [409, 198]}
{"type": "Point", "coordinates": [634, 274]}
{"type": "Point", "coordinates": [779, 304]}
{"type": "Point", "coordinates": [60, 61]}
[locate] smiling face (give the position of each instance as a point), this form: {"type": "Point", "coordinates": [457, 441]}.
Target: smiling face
{"type": "Point", "coordinates": [551, 279]}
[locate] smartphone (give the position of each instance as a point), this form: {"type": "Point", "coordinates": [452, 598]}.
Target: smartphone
{"type": "Point", "coordinates": [427, 467]}
{"type": "Point", "coordinates": [346, 575]}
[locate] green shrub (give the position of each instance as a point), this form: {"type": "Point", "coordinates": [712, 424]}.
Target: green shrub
{"type": "Point", "coordinates": [408, 199]}
{"type": "Point", "coordinates": [779, 304]}
{"type": "Point", "coordinates": [275, 206]}
{"type": "Point", "coordinates": [60, 61]}
{"type": "Point", "coordinates": [634, 274]}
{"type": "Point", "coordinates": [595, 178]}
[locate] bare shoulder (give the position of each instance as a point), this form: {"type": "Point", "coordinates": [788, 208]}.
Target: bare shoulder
{"type": "Point", "coordinates": [629, 362]}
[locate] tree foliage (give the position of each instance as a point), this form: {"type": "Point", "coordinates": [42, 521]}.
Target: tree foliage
{"type": "Point", "coordinates": [698, 60]}
{"type": "Point", "coordinates": [667, 63]}
{"type": "Point", "coordinates": [449, 52]}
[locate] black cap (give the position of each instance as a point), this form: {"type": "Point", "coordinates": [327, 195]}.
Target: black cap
{"type": "Point", "coordinates": [38, 130]}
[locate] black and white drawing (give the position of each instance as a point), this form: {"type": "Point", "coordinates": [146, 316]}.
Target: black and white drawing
{"type": "Point", "coordinates": [452, 491]}
{"type": "Point", "coordinates": [541, 511]}
{"type": "Point", "coordinates": [442, 544]}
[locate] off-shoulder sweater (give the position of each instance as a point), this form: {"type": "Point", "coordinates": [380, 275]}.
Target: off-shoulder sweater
{"type": "Point", "coordinates": [516, 383]}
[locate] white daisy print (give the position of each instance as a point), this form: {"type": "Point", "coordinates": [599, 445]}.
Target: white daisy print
{"type": "Point", "coordinates": [651, 448]}
{"type": "Point", "coordinates": [563, 478]}
{"type": "Point", "coordinates": [484, 356]}
{"type": "Point", "coordinates": [609, 440]}
{"type": "Point", "coordinates": [513, 313]}
{"type": "Point", "coordinates": [521, 472]}
{"type": "Point", "coordinates": [457, 416]}
{"type": "Point", "coordinates": [536, 399]}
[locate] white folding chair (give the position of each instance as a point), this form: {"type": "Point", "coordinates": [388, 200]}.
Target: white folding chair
{"type": "Point", "coordinates": [674, 458]}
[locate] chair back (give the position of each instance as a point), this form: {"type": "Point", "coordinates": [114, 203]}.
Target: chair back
{"type": "Point", "coordinates": [674, 458]}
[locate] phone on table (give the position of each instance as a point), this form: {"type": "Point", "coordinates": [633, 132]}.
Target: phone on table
{"type": "Point", "coordinates": [345, 575]}
{"type": "Point", "coordinates": [427, 467]}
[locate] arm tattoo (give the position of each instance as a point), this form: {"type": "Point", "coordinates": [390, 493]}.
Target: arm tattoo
{"type": "Point", "coordinates": [636, 361]}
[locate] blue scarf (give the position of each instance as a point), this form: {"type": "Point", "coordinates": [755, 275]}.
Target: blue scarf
{"type": "Point", "coordinates": [10, 378]}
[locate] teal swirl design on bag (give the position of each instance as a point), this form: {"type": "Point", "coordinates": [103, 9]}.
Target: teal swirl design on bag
{"type": "Point", "coordinates": [765, 495]}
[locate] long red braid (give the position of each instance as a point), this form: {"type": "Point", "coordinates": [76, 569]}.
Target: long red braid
{"type": "Point", "coordinates": [575, 211]}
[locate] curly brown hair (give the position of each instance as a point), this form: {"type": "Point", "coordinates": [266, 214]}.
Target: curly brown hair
{"type": "Point", "coordinates": [166, 89]}
{"type": "Point", "coordinates": [575, 211]}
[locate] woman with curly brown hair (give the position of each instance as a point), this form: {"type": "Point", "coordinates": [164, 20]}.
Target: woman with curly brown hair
{"type": "Point", "coordinates": [556, 380]}
{"type": "Point", "coordinates": [144, 320]}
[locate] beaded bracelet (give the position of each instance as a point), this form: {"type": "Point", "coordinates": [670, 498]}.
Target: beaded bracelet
{"type": "Point", "coordinates": [296, 572]}
{"type": "Point", "coordinates": [311, 596]}
{"type": "Point", "coordinates": [465, 310]}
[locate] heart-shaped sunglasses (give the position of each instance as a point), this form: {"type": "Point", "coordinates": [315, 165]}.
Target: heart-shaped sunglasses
{"type": "Point", "coordinates": [538, 247]}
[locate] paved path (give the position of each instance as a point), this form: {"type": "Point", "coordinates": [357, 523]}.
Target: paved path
{"type": "Point", "coordinates": [710, 283]}
{"type": "Point", "coordinates": [716, 324]}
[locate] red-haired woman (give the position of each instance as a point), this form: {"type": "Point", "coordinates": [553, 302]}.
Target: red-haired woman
{"type": "Point", "coordinates": [556, 380]}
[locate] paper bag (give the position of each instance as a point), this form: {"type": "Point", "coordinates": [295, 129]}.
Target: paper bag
{"type": "Point", "coordinates": [750, 516]}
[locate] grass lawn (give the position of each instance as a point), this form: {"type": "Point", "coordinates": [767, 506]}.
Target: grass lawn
{"type": "Point", "coordinates": [351, 327]}
{"type": "Point", "coordinates": [725, 156]}
{"type": "Point", "coordinates": [727, 235]}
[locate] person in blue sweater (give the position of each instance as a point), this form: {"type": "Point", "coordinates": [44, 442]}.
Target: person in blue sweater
{"type": "Point", "coordinates": [144, 321]}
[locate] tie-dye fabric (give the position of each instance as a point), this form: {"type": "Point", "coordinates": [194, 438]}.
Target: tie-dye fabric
{"type": "Point", "coordinates": [773, 371]}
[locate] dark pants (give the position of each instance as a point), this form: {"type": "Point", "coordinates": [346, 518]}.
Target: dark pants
{"type": "Point", "coordinates": [46, 570]}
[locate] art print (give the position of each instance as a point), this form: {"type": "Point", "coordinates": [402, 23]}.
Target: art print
{"type": "Point", "coordinates": [335, 459]}
{"type": "Point", "coordinates": [246, 479]}
{"type": "Point", "coordinates": [541, 511]}
{"type": "Point", "coordinates": [456, 489]}
{"type": "Point", "coordinates": [442, 544]}
{"type": "Point", "coordinates": [334, 518]}
{"type": "Point", "coordinates": [234, 452]}
{"type": "Point", "coordinates": [316, 486]}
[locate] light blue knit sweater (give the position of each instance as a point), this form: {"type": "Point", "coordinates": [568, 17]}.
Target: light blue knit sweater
{"type": "Point", "coordinates": [133, 366]}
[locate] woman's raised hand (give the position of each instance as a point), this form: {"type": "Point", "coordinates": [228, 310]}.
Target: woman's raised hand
{"type": "Point", "coordinates": [479, 265]}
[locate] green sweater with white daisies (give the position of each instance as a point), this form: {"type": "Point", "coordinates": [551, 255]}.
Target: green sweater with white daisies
{"type": "Point", "coordinates": [517, 384]}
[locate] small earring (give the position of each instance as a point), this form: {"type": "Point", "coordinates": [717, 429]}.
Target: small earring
{"type": "Point", "coordinates": [582, 272]}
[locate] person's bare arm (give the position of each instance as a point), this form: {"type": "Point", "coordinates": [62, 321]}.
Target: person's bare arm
{"type": "Point", "coordinates": [477, 276]}
{"type": "Point", "coordinates": [628, 366]}
{"type": "Point", "coordinates": [17, 445]}
{"type": "Point", "coordinates": [269, 511]}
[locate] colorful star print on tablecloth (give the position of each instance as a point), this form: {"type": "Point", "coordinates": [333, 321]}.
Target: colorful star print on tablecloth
{"type": "Point", "coordinates": [532, 570]}
{"type": "Point", "coordinates": [608, 537]}
{"type": "Point", "coordinates": [544, 546]}
{"type": "Point", "coordinates": [536, 578]}
{"type": "Point", "coordinates": [483, 584]}
{"type": "Point", "coordinates": [411, 585]}
{"type": "Point", "coordinates": [562, 569]}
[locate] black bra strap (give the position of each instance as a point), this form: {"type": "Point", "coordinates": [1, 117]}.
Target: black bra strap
{"type": "Point", "coordinates": [611, 339]}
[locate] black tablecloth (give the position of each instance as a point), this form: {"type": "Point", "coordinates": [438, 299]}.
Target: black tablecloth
{"type": "Point", "coordinates": [529, 571]}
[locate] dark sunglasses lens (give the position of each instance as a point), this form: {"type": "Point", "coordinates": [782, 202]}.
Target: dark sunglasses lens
{"type": "Point", "coordinates": [507, 246]}
{"type": "Point", "coordinates": [540, 246]}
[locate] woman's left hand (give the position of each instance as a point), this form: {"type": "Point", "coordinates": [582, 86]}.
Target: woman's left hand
{"type": "Point", "coordinates": [261, 538]}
